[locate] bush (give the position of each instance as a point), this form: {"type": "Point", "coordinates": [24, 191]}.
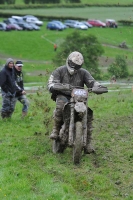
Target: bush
{"type": "Point", "coordinates": [119, 67]}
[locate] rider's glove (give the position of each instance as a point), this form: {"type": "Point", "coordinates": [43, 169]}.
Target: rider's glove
{"type": "Point", "coordinates": [99, 89]}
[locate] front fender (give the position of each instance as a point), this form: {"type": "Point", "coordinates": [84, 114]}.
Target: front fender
{"type": "Point", "coordinates": [80, 107]}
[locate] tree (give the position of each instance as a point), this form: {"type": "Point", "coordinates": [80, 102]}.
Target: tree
{"type": "Point", "coordinates": [26, 1]}
{"type": "Point", "coordinates": [10, 1]}
{"type": "Point", "coordinates": [119, 67]}
{"type": "Point", "coordinates": [75, 1]}
{"type": "Point", "coordinates": [2, 1]}
{"type": "Point", "coordinates": [88, 45]}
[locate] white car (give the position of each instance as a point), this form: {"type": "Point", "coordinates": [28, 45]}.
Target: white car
{"type": "Point", "coordinates": [34, 20]}
{"type": "Point", "coordinates": [80, 25]}
{"type": "Point", "coordinates": [17, 17]}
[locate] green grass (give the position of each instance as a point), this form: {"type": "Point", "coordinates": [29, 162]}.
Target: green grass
{"type": "Point", "coordinates": [102, 13]}
{"type": "Point", "coordinates": [94, 2]}
{"type": "Point", "coordinates": [29, 169]}
{"type": "Point", "coordinates": [36, 49]}
{"type": "Point", "coordinates": [38, 45]}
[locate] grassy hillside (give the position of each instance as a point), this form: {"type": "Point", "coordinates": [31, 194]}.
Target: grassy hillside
{"type": "Point", "coordinates": [30, 171]}
{"type": "Point", "coordinates": [28, 168]}
{"type": "Point", "coordinates": [92, 2]}
{"type": "Point", "coordinates": [36, 49]}
{"type": "Point", "coordinates": [103, 13]}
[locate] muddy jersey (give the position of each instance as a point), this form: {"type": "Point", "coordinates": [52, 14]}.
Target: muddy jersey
{"type": "Point", "coordinates": [80, 78]}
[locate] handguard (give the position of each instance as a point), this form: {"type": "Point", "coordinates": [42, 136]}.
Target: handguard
{"type": "Point", "coordinates": [99, 89]}
{"type": "Point", "coordinates": [61, 87]}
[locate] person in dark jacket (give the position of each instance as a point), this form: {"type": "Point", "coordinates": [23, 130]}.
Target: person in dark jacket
{"type": "Point", "coordinates": [8, 89]}
{"type": "Point", "coordinates": [21, 95]}
{"type": "Point", "coordinates": [60, 83]}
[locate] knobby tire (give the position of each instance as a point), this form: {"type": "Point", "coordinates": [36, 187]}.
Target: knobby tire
{"type": "Point", "coordinates": [77, 148]}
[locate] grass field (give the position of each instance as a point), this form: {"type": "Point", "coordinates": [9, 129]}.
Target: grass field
{"type": "Point", "coordinates": [30, 171]}
{"type": "Point", "coordinates": [28, 168]}
{"type": "Point", "coordinates": [102, 13]}
{"type": "Point", "coordinates": [35, 48]}
{"type": "Point", "coordinates": [121, 2]}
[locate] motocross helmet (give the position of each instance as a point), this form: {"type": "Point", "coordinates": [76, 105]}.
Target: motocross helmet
{"type": "Point", "coordinates": [74, 62]}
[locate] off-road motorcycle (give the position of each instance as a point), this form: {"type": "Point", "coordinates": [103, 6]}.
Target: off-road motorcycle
{"type": "Point", "coordinates": [73, 132]}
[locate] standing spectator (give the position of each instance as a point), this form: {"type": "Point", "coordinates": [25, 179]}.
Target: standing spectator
{"type": "Point", "coordinates": [21, 95]}
{"type": "Point", "coordinates": [55, 47]}
{"type": "Point", "coordinates": [8, 89]}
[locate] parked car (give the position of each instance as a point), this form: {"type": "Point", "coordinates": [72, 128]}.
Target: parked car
{"type": "Point", "coordinates": [87, 24]}
{"type": "Point", "coordinates": [35, 21]}
{"type": "Point", "coordinates": [25, 26]}
{"type": "Point", "coordinates": [97, 23]}
{"type": "Point", "coordinates": [60, 23]}
{"type": "Point", "coordinates": [4, 27]}
{"type": "Point", "coordinates": [22, 23]}
{"type": "Point", "coordinates": [111, 23]}
{"type": "Point", "coordinates": [9, 21]}
{"type": "Point", "coordinates": [29, 16]}
{"type": "Point", "coordinates": [54, 26]}
{"type": "Point", "coordinates": [70, 23]}
{"type": "Point", "coordinates": [17, 17]}
{"type": "Point", "coordinates": [32, 19]}
{"type": "Point", "coordinates": [80, 25]}
{"type": "Point", "coordinates": [34, 26]}
{"type": "Point", "coordinates": [15, 27]}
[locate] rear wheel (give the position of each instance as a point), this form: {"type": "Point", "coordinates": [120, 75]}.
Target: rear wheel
{"type": "Point", "coordinates": [78, 143]}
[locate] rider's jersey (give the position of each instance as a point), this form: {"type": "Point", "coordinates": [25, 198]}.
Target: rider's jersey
{"type": "Point", "coordinates": [80, 78]}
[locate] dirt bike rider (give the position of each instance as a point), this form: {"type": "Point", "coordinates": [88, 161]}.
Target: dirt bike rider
{"type": "Point", "coordinates": [60, 83]}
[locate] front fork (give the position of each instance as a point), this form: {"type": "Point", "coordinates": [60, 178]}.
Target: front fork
{"type": "Point", "coordinates": [71, 124]}
{"type": "Point", "coordinates": [84, 123]}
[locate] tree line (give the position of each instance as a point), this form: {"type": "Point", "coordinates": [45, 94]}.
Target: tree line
{"type": "Point", "coordinates": [39, 1]}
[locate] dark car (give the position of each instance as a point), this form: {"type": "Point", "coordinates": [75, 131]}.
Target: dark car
{"type": "Point", "coordinates": [60, 23]}
{"type": "Point", "coordinates": [9, 21]}
{"type": "Point", "coordinates": [97, 23]}
{"type": "Point", "coordinates": [4, 27]}
{"type": "Point", "coordinates": [111, 23]}
{"type": "Point", "coordinates": [54, 26]}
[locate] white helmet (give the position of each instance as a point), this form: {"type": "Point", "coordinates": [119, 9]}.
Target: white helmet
{"type": "Point", "coordinates": [74, 62]}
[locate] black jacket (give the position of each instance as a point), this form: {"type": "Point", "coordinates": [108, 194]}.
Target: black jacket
{"type": "Point", "coordinates": [7, 79]}
{"type": "Point", "coordinates": [19, 80]}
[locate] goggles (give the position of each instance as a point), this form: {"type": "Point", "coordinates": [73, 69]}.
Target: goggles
{"type": "Point", "coordinates": [73, 65]}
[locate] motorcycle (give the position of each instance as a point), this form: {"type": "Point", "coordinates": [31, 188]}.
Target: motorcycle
{"type": "Point", "coordinates": [73, 132]}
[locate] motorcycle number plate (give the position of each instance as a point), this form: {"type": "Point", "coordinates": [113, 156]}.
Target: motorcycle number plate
{"type": "Point", "coordinates": [79, 92]}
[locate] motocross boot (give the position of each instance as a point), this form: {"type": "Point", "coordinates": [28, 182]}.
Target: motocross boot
{"type": "Point", "coordinates": [89, 148]}
{"type": "Point", "coordinates": [56, 129]}
{"type": "Point", "coordinates": [5, 115]}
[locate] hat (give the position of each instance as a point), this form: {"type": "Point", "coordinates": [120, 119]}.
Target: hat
{"type": "Point", "coordinates": [19, 63]}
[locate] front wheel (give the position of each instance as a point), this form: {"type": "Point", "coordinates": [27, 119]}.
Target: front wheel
{"type": "Point", "coordinates": [78, 143]}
